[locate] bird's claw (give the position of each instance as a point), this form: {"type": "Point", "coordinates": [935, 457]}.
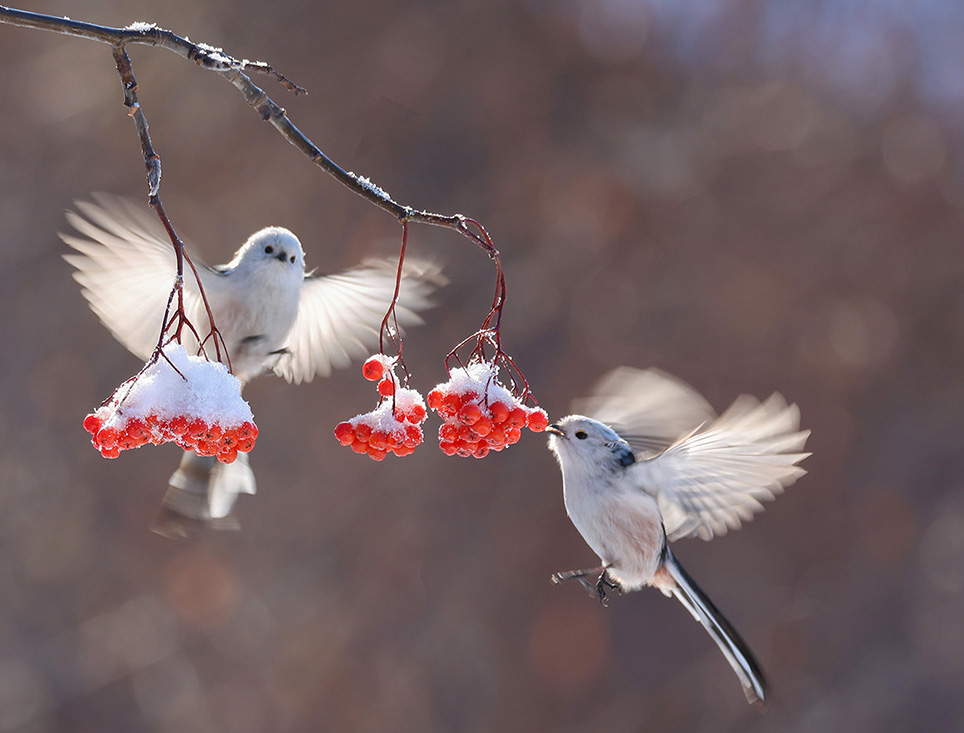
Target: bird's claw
{"type": "Point", "coordinates": [602, 584]}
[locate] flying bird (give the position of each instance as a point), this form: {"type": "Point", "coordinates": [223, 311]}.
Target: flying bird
{"type": "Point", "coordinates": [273, 315]}
{"type": "Point", "coordinates": [674, 469]}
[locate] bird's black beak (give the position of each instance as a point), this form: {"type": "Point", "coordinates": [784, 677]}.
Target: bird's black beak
{"type": "Point", "coordinates": [282, 256]}
{"type": "Point", "coordinates": [555, 430]}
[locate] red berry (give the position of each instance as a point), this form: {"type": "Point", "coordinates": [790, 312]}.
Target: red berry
{"type": "Point", "coordinates": [496, 439]}
{"type": "Point", "coordinates": [449, 448]}
{"type": "Point", "coordinates": [197, 428]}
{"type": "Point", "coordinates": [434, 399]}
{"type": "Point", "coordinates": [178, 425]}
{"type": "Point", "coordinates": [403, 450]}
{"type": "Point", "coordinates": [92, 423]}
{"type": "Point", "coordinates": [396, 438]}
{"type": "Point", "coordinates": [416, 414]}
{"type": "Point", "coordinates": [378, 440]}
{"type": "Point", "coordinates": [248, 430]}
{"type": "Point", "coordinates": [453, 402]}
{"type": "Point", "coordinates": [377, 455]}
{"type": "Point", "coordinates": [107, 437]}
{"type": "Point", "coordinates": [500, 412]}
{"type": "Point", "coordinates": [110, 452]}
{"type": "Point", "coordinates": [206, 448]}
{"type": "Point", "coordinates": [229, 439]}
{"type": "Point", "coordinates": [483, 427]}
{"type": "Point", "coordinates": [245, 445]}
{"type": "Point", "coordinates": [228, 455]}
{"type": "Point", "coordinates": [373, 369]}
{"type": "Point", "coordinates": [517, 418]}
{"type": "Point", "coordinates": [363, 431]}
{"type": "Point", "coordinates": [538, 420]}
{"type": "Point", "coordinates": [448, 431]}
{"type": "Point", "coordinates": [413, 435]}
{"type": "Point", "coordinates": [345, 433]}
{"type": "Point", "coordinates": [386, 387]}
{"type": "Point", "coordinates": [359, 446]}
{"type": "Point", "coordinates": [470, 414]}
{"type": "Point", "coordinates": [482, 451]}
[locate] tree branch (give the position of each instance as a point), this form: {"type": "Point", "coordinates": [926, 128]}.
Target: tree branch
{"type": "Point", "coordinates": [232, 70]}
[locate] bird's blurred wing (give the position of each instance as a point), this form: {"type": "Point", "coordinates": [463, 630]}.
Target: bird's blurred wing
{"type": "Point", "coordinates": [716, 478]}
{"type": "Point", "coordinates": [339, 315]}
{"type": "Point", "coordinates": [648, 408]}
{"type": "Point", "coordinates": [126, 267]}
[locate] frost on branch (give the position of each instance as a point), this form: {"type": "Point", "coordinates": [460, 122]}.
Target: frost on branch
{"type": "Point", "coordinates": [179, 398]}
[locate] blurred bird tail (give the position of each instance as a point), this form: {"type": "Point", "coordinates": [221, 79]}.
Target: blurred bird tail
{"type": "Point", "coordinates": [202, 493]}
{"type": "Point", "coordinates": [735, 650]}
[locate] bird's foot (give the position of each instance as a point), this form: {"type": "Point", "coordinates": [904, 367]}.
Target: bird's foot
{"type": "Point", "coordinates": [598, 589]}
{"type": "Point", "coordinates": [602, 584]}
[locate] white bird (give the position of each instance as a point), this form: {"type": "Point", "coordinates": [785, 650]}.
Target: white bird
{"type": "Point", "coordinates": [676, 471]}
{"type": "Point", "coordinates": [272, 315]}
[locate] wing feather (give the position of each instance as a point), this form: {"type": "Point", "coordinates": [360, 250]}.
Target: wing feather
{"type": "Point", "coordinates": [716, 478]}
{"type": "Point", "coordinates": [339, 315]}
{"type": "Point", "coordinates": [125, 265]}
{"type": "Point", "coordinates": [648, 408]}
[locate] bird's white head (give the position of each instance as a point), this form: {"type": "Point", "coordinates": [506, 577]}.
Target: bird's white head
{"type": "Point", "coordinates": [581, 443]}
{"type": "Point", "coordinates": [275, 246]}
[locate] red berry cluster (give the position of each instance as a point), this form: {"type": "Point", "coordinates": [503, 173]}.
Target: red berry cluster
{"type": "Point", "coordinates": [392, 427]}
{"type": "Point", "coordinates": [480, 414]}
{"type": "Point", "coordinates": [113, 433]}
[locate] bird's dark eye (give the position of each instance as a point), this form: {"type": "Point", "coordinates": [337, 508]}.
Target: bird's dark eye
{"type": "Point", "coordinates": [292, 259]}
{"type": "Point", "coordinates": [268, 250]}
{"type": "Point", "coordinates": [581, 434]}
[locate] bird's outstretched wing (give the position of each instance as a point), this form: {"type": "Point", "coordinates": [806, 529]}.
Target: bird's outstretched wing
{"type": "Point", "coordinates": [649, 408]}
{"type": "Point", "coordinates": [126, 267]}
{"type": "Point", "coordinates": [339, 315]}
{"type": "Point", "coordinates": [715, 478]}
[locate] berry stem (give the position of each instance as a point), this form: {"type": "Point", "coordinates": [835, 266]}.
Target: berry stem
{"type": "Point", "coordinates": [390, 315]}
{"type": "Point", "coordinates": [491, 331]}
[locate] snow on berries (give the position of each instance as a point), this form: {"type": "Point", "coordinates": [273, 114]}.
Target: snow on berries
{"type": "Point", "coordinates": [480, 414]}
{"type": "Point", "coordinates": [392, 427]}
{"type": "Point", "coordinates": [200, 409]}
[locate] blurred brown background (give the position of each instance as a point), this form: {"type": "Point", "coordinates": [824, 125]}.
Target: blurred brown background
{"type": "Point", "coordinates": [750, 195]}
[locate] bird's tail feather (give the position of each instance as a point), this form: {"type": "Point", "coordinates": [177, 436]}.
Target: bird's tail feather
{"type": "Point", "coordinates": [202, 493]}
{"type": "Point", "coordinates": [735, 650]}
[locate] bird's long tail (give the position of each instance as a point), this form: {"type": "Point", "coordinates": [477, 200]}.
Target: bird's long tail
{"type": "Point", "coordinates": [735, 650]}
{"type": "Point", "coordinates": [202, 493]}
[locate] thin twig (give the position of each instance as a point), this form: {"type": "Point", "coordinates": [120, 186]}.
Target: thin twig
{"type": "Point", "coordinates": [232, 69]}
